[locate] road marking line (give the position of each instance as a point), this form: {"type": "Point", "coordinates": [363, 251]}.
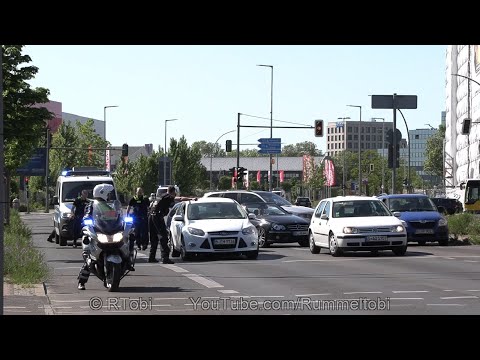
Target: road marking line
{"type": "Point", "coordinates": [267, 296]}
{"type": "Point", "coordinates": [449, 258]}
{"type": "Point", "coordinates": [301, 249]}
{"type": "Point", "coordinates": [14, 307]}
{"type": "Point", "coordinates": [471, 261]}
{"type": "Point", "coordinates": [362, 292]}
{"type": "Point", "coordinates": [406, 298]}
{"type": "Point", "coordinates": [228, 291]}
{"type": "Point", "coordinates": [18, 311]}
{"type": "Point", "coordinates": [203, 281]}
{"type": "Point", "coordinates": [161, 305]}
{"type": "Point", "coordinates": [447, 290]}
{"type": "Point", "coordinates": [62, 307]}
{"type": "Point", "coordinates": [67, 267]}
{"type": "Point", "coordinates": [308, 295]}
{"type": "Point", "coordinates": [174, 310]}
{"type": "Point", "coordinates": [74, 312]}
{"type": "Point", "coordinates": [174, 268]}
{"type": "Point", "coordinates": [459, 297]}
{"type": "Point", "coordinates": [473, 290]}
{"type": "Point", "coordinates": [188, 304]}
{"type": "Point", "coordinates": [172, 298]}
{"type": "Point", "coordinates": [446, 304]}
{"type": "Point", "coordinates": [67, 301]}
{"type": "Point", "coordinates": [409, 291]}
{"type": "Point", "coordinates": [239, 296]}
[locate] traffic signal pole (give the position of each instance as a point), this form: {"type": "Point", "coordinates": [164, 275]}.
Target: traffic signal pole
{"type": "Point", "coordinates": [238, 146]}
{"type": "Point", "coordinates": [394, 169]}
{"type": "Point", "coordinates": [47, 166]}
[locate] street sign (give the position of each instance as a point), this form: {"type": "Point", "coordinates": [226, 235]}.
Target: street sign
{"type": "Point", "coordinates": [401, 102]}
{"type": "Point", "coordinates": [36, 166]}
{"type": "Point", "coordinates": [270, 140]}
{"type": "Point", "coordinates": [270, 151]}
{"type": "Point", "coordinates": [272, 146]}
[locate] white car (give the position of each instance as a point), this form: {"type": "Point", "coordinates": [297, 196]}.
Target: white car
{"type": "Point", "coordinates": [213, 225]}
{"type": "Point", "coordinates": [356, 223]}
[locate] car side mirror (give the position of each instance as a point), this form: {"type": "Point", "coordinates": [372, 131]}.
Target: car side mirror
{"type": "Point", "coordinates": [252, 216]}
{"type": "Point", "coordinates": [55, 200]}
{"type": "Point", "coordinates": [397, 214]}
{"type": "Point", "coordinates": [178, 218]}
{"type": "Point", "coordinates": [324, 217]}
{"type": "Point", "coordinates": [441, 209]}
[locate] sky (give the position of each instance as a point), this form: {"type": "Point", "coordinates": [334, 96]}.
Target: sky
{"type": "Point", "coordinates": [205, 87]}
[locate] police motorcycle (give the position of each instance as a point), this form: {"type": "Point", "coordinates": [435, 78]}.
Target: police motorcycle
{"type": "Point", "coordinates": [105, 242]}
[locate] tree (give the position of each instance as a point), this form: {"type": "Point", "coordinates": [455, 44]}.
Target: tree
{"type": "Point", "coordinates": [254, 185]}
{"type": "Point", "coordinates": [145, 173]}
{"type": "Point", "coordinates": [24, 120]}
{"type": "Point", "coordinates": [225, 183]}
{"type": "Point", "coordinates": [207, 149]}
{"type": "Point", "coordinates": [434, 153]}
{"type": "Point", "coordinates": [188, 172]}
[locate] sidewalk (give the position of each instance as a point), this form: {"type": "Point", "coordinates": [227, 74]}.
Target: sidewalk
{"type": "Point", "coordinates": [18, 300]}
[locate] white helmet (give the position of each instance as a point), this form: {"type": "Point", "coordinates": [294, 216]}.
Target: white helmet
{"type": "Point", "coordinates": [102, 191]}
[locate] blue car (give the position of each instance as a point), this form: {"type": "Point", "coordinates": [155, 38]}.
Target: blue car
{"type": "Point", "coordinates": [423, 220]}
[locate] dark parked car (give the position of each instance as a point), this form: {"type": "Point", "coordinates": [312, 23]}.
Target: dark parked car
{"type": "Point", "coordinates": [275, 225]}
{"type": "Point", "coordinates": [451, 206]}
{"type": "Point", "coordinates": [303, 201]}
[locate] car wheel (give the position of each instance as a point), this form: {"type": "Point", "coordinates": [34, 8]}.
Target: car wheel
{"type": "Point", "coordinates": [262, 238]}
{"type": "Point", "coordinates": [314, 249]}
{"type": "Point", "coordinates": [443, 242]}
{"type": "Point", "coordinates": [422, 242]}
{"type": "Point", "coordinates": [400, 251]}
{"type": "Point", "coordinates": [175, 252]}
{"type": "Point", "coordinates": [333, 245]}
{"type": "Point", "coordinates": [185, 255]}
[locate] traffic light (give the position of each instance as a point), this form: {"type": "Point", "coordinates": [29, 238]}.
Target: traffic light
{"type": "Point", "coordinates": [124, 150]}
{"type": "Point", "coordinates": [241, 173]}
{"type": "Point", "coordinates": [391, 149]}
{"type": "Point", "coordinates": [228, 146]}
{"type": "Point", "coordinates": [26, 181]}
{"type": "Point", "coordinates": [319, 128]}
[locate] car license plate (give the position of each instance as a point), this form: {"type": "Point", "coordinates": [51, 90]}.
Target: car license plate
{"type": "Point", "coordinates": [300, 233]}
{"type": "Point", "coordinates": [224, 241]}
{"type": "Point", "coordinates": [376, 238]}
{"type": "Point", "coordinates": [424, 231]}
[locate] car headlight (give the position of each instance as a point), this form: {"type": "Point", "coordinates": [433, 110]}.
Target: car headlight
{"type": "Point", "coordinates": [66, 215]}
{"type": "Point", "coordinates": [249, 230]}
{"type": "Point", "coordinates": [350, 230]}
{"type": "Point", "coordinates": [398, 228]}
{"type": "Point", "coordinates": [442, 222]}
{"type": "Point", "coordinates": [194, 231]}
{"type": "Point", "coordinates": [278, 227]}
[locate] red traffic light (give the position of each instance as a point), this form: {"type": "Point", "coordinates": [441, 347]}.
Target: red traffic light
{"type": "Point", "coordinates": [319, 128]}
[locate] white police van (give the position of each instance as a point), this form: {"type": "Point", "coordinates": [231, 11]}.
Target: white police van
{"type": "Point", "coordinates": [69, 186]}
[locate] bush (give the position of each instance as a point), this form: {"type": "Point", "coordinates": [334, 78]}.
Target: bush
{"type": "Point", "coordinates": [474, 231]}
{"type": "Point", "coordinates": [459, 224]}
{"type": "Point", "coordinates": [24, 264]}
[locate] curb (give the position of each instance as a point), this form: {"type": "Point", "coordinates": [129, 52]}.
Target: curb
{"type": "Point", "coordinates": [22, 290]}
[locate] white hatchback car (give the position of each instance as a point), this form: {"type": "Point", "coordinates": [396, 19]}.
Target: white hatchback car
{"type": "Point", "coordinates": [213, 225]}
{"type": "Point", "coordinates": [356, 223]}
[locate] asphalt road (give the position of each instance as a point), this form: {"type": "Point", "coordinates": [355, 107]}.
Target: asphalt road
{"type": "Point", "coordinates": [285, 279]}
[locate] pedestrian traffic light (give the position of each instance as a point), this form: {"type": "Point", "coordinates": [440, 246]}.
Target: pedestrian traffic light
{"type": "Point", "coordinates": [241, 173]}
{"type": "Point", "coordinates": [318, 128]}
{"type": "Point", "coordinates": [228, 146]}
{"type": "Point", "coordinates": [391, 149]}
{"type": "Point", "coordinates": [124, 150]}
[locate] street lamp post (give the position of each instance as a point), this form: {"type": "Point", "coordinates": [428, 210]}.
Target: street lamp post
{"type": "Point", "coordinates": [271, 125]}
{"type": "Point", "coordinates": [383, 152]}
{"type": "Point", "coordinates": [359, 152]}
{"type": "Point", "coordinates": [165, 154]}
{"type": "Point", "coordinates": [211, 155]}
{"type": "Point", "coordinates": [105, 127]}
{"type": "Point", "coordinates": [344, 154]}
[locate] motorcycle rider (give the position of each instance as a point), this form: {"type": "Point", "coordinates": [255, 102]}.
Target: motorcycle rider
{"type": "Point", "coordinates": [140, 205]}
{"type": "Point", "coordinates": [101, 194]}
{"type": "Point", "coordinates": [156, 223]}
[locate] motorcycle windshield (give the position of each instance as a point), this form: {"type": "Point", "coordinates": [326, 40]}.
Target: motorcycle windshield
{"type": "Point", "coordinates": [107, 217]}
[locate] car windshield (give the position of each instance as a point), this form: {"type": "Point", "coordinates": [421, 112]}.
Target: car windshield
{"type": "Point", "coordinates": [412, 204]}
{"type": "Point", "coordinates": [273, 198]}
{"type": "Point", "coordinates": [215, 210]}
{"type": "Point", "coordinates": [262, 209]}
{"type": "Point", "coordinates": [73, 189]}
{"type": "Point", "coordinates": [359, 208]}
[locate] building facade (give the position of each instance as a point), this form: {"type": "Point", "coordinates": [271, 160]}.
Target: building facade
{"type": "Point", "coordinates": [98, 125]}
{"type": "Point", "coordinates": [343, 135]}
{"type": "Point", "coordinates": [418, 146]}
{"type": "Point", "coordinates": [462, 152]}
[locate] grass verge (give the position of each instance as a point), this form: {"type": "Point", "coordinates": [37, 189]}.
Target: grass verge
{"type": "Point", "coordinates": [23, 264]}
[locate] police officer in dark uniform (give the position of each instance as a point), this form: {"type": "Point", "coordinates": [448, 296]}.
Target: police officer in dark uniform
{"type": "Point", "coordinates": [156, 222]}
{"type": "Point", "coordinates": [140, 205]}
{"type": "Point", "coordinates": [78, 211]}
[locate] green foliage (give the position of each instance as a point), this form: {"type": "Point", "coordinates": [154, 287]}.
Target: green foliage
{"type": "Point", "coordinates": [225, 183]}
{"type": "Point", "coordinates": [24, 124]}
{"type": "Point", "coordinates": [286, 186]}
{"type": "Point", "coordinates": [24, 264]}
{"type": "Point", "coordinates": [459, 224]}
{"type": "Point", "coordinates": [434, 153]}
{"type": "Point", "coordinates": [207, 149]}
{"type": "Point", "coordinates": [254, 185]}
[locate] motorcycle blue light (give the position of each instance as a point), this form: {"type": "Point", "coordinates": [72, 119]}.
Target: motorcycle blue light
{"type": "Point", "coordinates": [88, 222]}
{"type": "Point", "coordinates": [128, 219]}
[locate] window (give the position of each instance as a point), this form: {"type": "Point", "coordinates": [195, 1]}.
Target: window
{"type": "Point", "coordinates": [362, 147]}
{"type": "Point", "coordinates": [368, 137]}
{"type": "Point", "coordinates": [249, 198]}
{"type": "Point", "coordinates": [328, 146]}
{"type": "Point", "coordinates": [349, 137]}
{"type": "Point", "coordinates": [350, 146]}
{"type": "Point", "coordinates": [320, 209]}
{"type": "Point", "coordinates": [326, 210]}
{"type": "Point", "coordinates": [361, 138]}
{"type": "Point", "coordinates": [368, 129]}
{"type": "Point", "coordinates": [417, 136]}
{"type": "Point", "coordinates": [349, 129]}
{"type": "Point", "coordinates": [355, 137]}
{"type": "Point", "coordinates": [230, 195]}
{"type": "Point", "coordinates": [374, 137]}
